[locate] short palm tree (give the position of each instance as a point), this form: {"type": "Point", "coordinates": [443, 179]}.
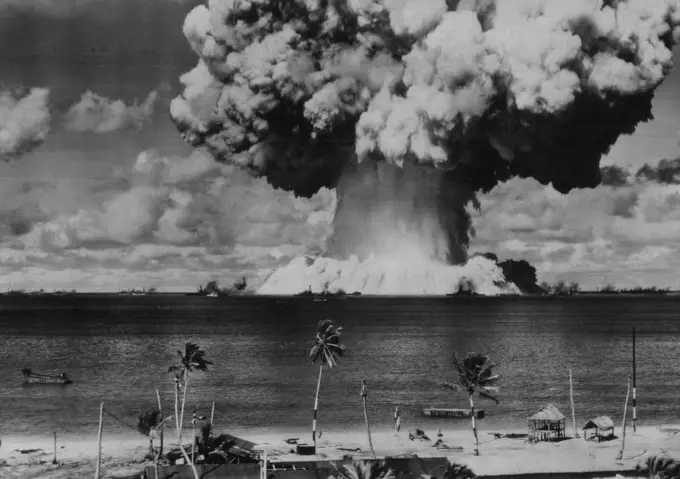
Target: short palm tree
{"type": "Point", "coordinates": [147, 425]}
{"type": "Point", "coordinates": [660, 467]}
{"type": "Point", "coordinates": [326, 349]}
{"type": "Point", "coordinates": [191, 359]}
{"type": "Point", "coordinates": [365, 470]}
{"type": "Point", "coordinates": [475, 377]}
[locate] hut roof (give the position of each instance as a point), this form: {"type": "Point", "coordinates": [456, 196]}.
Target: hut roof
{"type": "Point", "coordinates": [600, 422]}
{"type": "Point", "coordinates": [548, 413]}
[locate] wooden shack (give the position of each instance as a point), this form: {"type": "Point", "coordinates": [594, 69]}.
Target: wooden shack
{"type": "Point", "coordinates": [548, 424]}
{"type": "Point", "coordinates": [601, 428]}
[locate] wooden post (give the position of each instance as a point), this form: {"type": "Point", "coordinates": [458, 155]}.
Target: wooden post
{"type": "Point", "coordinates": [99, 441]}
{"type": "Point", "coordinates": [364, 396]}
{"type": "Point", "coordinates": [571, 399]}
{"type": "Point", "coordinates": [634, 387]}
{"type": "Point", "coordinates": [54, 458]}
{"type": "Point", "coordinates": [160, 409]}
{"type": "Point", "coordinates": [623, 426]}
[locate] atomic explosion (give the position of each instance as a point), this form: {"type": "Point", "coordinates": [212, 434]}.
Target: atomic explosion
{"type": "Point", "coordinates": [410, 108]}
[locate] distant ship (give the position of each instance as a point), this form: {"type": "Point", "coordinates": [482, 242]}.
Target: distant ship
{"type": "Point", "coordinates": [38, 378]}
{"type": "Point", "coordinates": [212, 295]}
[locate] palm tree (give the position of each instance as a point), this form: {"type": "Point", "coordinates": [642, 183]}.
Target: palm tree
{"type": "Point", "coordinates": [474, 377]}
{"type": "Point", "coordinates": [660, 467]}
{"type": "Point", "coordinates": [192, 359]}
{"type": "Point", "coordinates": [365, 470]}
{"type": "Point", "coordinates": [147, 425]}
{"type": "Point", "coordinates": [326, 349]}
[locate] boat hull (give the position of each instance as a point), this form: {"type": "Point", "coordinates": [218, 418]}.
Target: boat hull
{"type": "Point", "coordinates": [452, 413]}
{"type": "Point", "coordinates": [46, 380]}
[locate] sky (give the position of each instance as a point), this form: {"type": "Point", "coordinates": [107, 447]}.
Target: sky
{"type": "Point", "coordinates": [113, 198]}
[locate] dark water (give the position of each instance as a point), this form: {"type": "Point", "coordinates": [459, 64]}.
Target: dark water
{"type": "Point", "coordinates": [118, 350]}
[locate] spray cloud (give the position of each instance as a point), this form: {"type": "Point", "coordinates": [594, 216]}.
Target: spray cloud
{"type": "Point", "coordinates": [411, 107]}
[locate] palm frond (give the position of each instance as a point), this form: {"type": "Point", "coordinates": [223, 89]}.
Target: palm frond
{"type": "Point", "coordinates": [488, 396]}
{"type": "Point", "coordinates": [458, 471]}
{"type": "Point", "coordinates": [474, 375]}
{"type": "Point", "coordinates": [365, 470]}
{"type": "Point", "coordinates": [326, 347]}
{"type": "Point", "coordinates": [661, 467]}
{"type": "Point", "coordinates": [148, 421]}
{"type": "Point", "coordinates": [451, 386]}
{"type": "Point", "coordinates": [191, 359]}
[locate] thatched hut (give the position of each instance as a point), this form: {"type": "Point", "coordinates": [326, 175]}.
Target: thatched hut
{"type": "Point", "coordinates": [548, 424]}
{"type": "Point", "coordinates": [600, 428]}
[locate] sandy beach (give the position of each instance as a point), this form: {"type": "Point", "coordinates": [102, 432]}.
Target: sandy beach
{"type": "Point", "coordinates": [30, 457]}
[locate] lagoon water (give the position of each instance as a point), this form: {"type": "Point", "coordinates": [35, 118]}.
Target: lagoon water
{"type": "Point", "coordinates": [118, 349]}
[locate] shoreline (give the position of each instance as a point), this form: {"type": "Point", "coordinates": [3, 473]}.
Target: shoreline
{"type": "Point", "coordinates": [122, 454]}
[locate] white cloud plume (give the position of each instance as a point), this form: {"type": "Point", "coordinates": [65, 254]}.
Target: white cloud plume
{"type": "Point", "coordinates": [202, 211]}
{"type": "Point", "coordinates": [24, 122]}
{"type": "Point", "coordinates": [100, 114]}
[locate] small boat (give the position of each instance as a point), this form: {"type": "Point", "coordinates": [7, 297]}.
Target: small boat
{"type": "Point", "coordinates": [441, 412]}
{"type": "Point", "coordinates": [37, 378]}
{"type": "Point", "coordinates": [212, 295]}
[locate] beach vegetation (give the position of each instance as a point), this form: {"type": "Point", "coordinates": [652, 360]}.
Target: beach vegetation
{"type": "Point", "coordinates": [458, 471]}
{"type": "Point", "coordinates": [326, 349]}
{"type": "Point", "coordinates": [366, 469]}
{"type": "Point", "coordinates": [475, 377]}
{"type": "Point", "coordinates": [660, 467]}
{"type": "Point", "coordinates": [148, 423]}
{"type": "Point", "coordinates": [191, 359]}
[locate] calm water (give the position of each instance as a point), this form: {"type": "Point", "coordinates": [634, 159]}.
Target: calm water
{"type": "Point", "coordinates": [118, 350]}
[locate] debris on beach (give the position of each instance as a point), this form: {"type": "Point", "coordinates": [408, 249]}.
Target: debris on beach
{"type": "Point", "coordinates": [29, 451]}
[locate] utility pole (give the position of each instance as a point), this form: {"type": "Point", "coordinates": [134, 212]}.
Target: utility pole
{"type": "Point", "coordinates": [634, 386]}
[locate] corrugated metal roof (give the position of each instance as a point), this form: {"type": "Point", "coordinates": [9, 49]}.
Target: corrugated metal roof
{"type": "Point", "coordinates": [601, 422]}
{"type": "Point", "coordinates": [548, 413]}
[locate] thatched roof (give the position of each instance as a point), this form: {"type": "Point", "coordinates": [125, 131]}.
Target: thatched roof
{"type": "Point", "coordinates": [547, 413]}
{"type": "Point", "coordinates": [601, 422]}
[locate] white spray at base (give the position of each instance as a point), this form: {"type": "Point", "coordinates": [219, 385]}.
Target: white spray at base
{"type": "Point", "coordinates": [306, 92]}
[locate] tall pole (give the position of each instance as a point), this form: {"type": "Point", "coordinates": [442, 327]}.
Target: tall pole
{"type": "Point", "coordinates": [634, 386]}
{"type": "Point", "coordinates": [364, 396]}
{"type": "Point", "coordinates": [54, 458]}
{"type": "Point", "coordinates": [99, 441]}
{"type": "Point", "coordinates": [212, 414]}
{"type": "Point", "coordinates": [160, 410]}
{"type": "Point", "coordinates": [571, 399]}
{"type": "Point", "coordinates": [623, 426]}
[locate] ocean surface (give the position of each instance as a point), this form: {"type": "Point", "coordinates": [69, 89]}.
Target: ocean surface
{"type": "Point", "coordinates": [118, 350]}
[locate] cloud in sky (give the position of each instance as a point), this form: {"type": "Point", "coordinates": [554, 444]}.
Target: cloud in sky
{"type": "Point", "coordinates": [172, 212]}
{"type": "Point", "coordinates": [625, 233]}
{"type": "Point", "coordinates": [172, 222]}
{"type": "Point", "coordinates": [100, 114]}
{"type": "Point", "coordinates": [24, 121]}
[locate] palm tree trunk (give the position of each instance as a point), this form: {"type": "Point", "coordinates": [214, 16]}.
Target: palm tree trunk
{"type": "Point", "coordinates": [474, 425]}
{"type": "Point", "coordinates": [179, 433]}
{"type": "Point", "coordinates": [160, 409]}
{"type": "Point", "coordinates": [184, 397]}
{"type": "Point", "coordinates": [316, 405]}
{"type": "Point", "coordinates": [368, 428]}
{"type": "Point", "coordinates": [623, 426]}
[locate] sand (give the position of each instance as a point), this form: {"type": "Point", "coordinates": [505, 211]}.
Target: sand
{"type": "Point", "coordinates": [123, 455]}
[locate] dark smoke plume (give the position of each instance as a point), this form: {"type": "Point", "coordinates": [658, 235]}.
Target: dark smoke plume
{"type": "Point", "coordinates": [409, 107]}
{"type": "Point", "coordinates": [666, 172]}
